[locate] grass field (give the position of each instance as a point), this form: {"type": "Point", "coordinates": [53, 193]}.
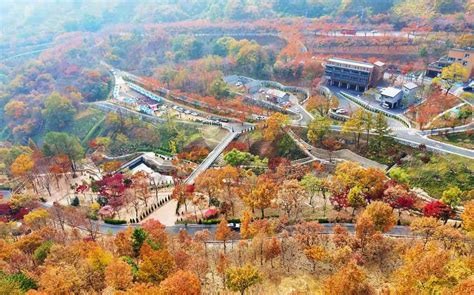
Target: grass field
{"type": "Point", "coordinates": [440, 173]}
{"type": "Point", "coordinates": [465, 140]}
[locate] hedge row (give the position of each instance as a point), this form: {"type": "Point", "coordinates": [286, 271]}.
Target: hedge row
{"type": "Point", "coordinates": [114, 221]}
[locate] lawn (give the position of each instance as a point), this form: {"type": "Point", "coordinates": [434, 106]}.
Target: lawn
{"type": "Point", "coordinates": [465, 140]}
{"type": "Point", "coordinates": [282, 146]}
{"type": "Point", "coordinates": [440, 173]}
{"type": "Point", "coordinates": [86, 120]}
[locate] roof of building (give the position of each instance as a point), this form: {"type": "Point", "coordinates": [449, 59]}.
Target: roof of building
{"type": "Point", "coordinates": [390, 91]}
{"type": "Point", "coordinates": [379, 63]}
{"type": "Point", "coordinates": [410, 85]}
{"type": "Point", "coordinates": [351, 62]}
{"type": "Point", "coordinates": [277, 93]}
{"type": "Point", "coordinates": [157, 177]}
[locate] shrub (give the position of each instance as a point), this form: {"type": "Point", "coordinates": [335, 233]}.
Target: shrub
{"type": "Point", "coordinates": [114, 221]}
{"type": "Point", "coordinates": [17, 281]}
{"type": "Point", "coordinates": [75, 202]}
{"type": "Point", "coordinates": [211, 221]}
{"type": "Point", "coordinates": [211, 213]}
{"type": "Point", "coordinates": [42, 251]}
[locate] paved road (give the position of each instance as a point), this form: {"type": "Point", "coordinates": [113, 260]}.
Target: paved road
{"type": "Point", "coordinates": [397, 231]}
{"type": "Point", "coordinates": [415, 137]}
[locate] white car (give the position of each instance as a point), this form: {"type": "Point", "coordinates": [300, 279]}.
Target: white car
{"type": "Point", "coordinates": [187, 112]}
{"type": "Point", "coordinates": [341, 112]}
{"type": "Point", "coordinates": [194, 114]}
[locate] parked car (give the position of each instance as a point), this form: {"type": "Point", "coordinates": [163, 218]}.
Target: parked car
{"type": "Point", "coordinates": [224, 120]}
{"type": "Point", "coordinates": [341, 112]}
{"type": "Point", "coordinates": [234, 226]}
{"type": "Point", "coordinates": [187, 112]}
{"type": "Point", "coordinates": [468, 88]}
{"type": "Point", "coordinates": [194, 114]}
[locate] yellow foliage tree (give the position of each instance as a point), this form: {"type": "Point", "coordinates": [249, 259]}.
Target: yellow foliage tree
{"type": "Point", "coordinates": [22, 165]}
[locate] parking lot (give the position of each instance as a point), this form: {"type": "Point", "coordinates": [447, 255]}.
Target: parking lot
{"type": "Point", "coordinates": [161, 107]}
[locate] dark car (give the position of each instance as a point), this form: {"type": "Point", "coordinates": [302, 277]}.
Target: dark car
{"type": "Point", "coordinates": [467, 88]}
{"type": "Point", "coordinates": [234, 226]}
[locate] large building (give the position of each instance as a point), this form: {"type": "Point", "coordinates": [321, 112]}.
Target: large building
{"type": "Point", "coordinates": [353, 74]}
{"type": "Point", "coordinates": [464, 57]}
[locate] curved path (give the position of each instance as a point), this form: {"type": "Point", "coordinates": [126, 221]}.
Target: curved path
{"type": "Point", "coordinates": [414, 137]}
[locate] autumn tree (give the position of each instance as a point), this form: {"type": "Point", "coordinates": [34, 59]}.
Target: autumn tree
{"type": "Point", "coordinates": [241, 278]}
{"type": "Point", "coordinates": [271, 249]}
{"type": "Point", "coordinates": [347, 281]}
{"type": "Point", "coordinates": [155, 265]}
{"type": "Point", "coordinates": [290, 197]}
{"type": "Point", "coordinates": [423, 269]}
{"type": "Point", "coordinates": [452, 196]}
{"type": "Point", "coordinates": [208, 183]}
{"type": "Point", "coordinates": [316, 254]}
{"type": "Point", "coordinates": [451, 75]}
{"type": "Point", "coordinates": [381, 215]}
{"type": "Point", "coordinates": [223, 232]}
{"type": "Point", "coordinates": [318, 128]}
{"type": "Point", "coordinates": [425, 227]}
{"type": "Point", "coordinates": [262, 194]}
{"type": "Point", "coordinates": [321, 103]}
{"type": "Point", "coordinates": [181, 195]}
{"type": "Point", "coordinates": [181, 282]}
{"type": "Point", "coordinates": [355, 125]}
{"type": "Point", "coordinates": [468, 217]}
{"type": "Point", "coordinates": [37, 218]}
{"type": "Point", "coordinates": [438, 210]}
{"type": "Point", "coordinates": [22, 165]}
{"type": "Point", "coordinates": [312, 185]}
{"type": "Point", "coordinates": [309, 234]}
{"type": "Point", "coordinates": [60, 280]}
{"type": "Point", "coordinates": [356, 198]}
{"type": "Point", "coordinates": [118, 275]}
{"type": "Point", "coordinates": [365, 232]}
{"type": "Point", "coordinates": [332, 145]}
{"type": "Point", "coordinates": [228, 179]}
{"type": "Point", "coordinates": [272, 127]}
{"type": "Point", "coordinates": [156, 233]}
{"type": "Point", "coordinates": [381, 131]}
